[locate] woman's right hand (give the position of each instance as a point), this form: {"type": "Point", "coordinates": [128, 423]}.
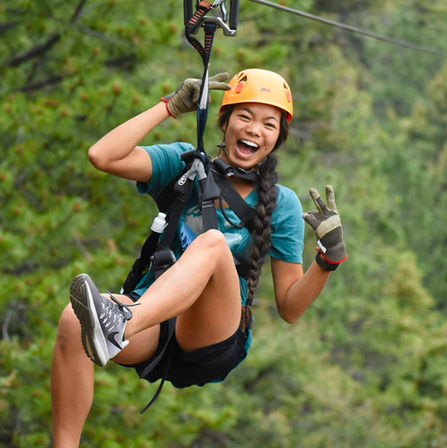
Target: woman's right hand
{"type": "Point", "coordinates": [185, 98]}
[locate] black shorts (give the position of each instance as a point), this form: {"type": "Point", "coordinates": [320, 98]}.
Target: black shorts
{"type": "Point", "coordinates": [197, 367]}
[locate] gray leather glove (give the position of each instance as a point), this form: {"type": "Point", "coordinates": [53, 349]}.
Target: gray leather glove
{"type": "Point", "coordinates": [185, 98]}
{"type": "Point", "coordinates": [327, 226]}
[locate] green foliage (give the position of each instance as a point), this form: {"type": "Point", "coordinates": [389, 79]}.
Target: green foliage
{"type": "Point", "coordinates": [365, 366]}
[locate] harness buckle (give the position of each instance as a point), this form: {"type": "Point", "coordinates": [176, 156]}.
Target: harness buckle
{"type": "Point", "coordinates": [162, 260]}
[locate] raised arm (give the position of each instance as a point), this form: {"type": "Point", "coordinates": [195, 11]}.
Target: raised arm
{"type": "Point", "coordinates": [295, 291]}
{"type": "Point", "coordinates": [118, 152]}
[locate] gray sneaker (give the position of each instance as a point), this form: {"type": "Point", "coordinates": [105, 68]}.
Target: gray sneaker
{"type": "Point", "coordinates": [102, 321]}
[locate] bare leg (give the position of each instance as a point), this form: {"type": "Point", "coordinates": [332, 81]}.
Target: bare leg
{"type": "Point", "coordinates": [72, 376]}
{"type": "Point", "coordinates": [202, 289]}
{"type": "Point", "coordinates": [71, 366]}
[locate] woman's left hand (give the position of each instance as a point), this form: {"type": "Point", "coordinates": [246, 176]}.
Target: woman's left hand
{"type": "Point", "coordinates": [327, 226]}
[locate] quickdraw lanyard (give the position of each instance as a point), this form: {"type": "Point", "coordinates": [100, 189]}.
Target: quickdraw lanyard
{"type": "Point", "coordinates": [208, 190]}
{"type": "Point", "coordinates": [210, 24]}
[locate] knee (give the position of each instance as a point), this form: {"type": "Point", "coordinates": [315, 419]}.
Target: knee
{"type": "Point", "coordinates": [69, 330]}
{"type": "Point", "coordinates": [214, 240]}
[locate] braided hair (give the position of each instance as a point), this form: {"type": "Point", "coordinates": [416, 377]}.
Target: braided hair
{"type": "Point", "coordinates": [262, 222]}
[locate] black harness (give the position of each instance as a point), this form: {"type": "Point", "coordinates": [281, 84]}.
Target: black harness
{"type": "Point", "coordinates": [213, 186]}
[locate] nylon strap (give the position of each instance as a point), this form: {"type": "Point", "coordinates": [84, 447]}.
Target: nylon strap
{"type": "Point", "coordinates": [156, 360]}
{"type": "Point", "coordinates": [208, 206]}
{"type": "Point", "coordinates": [205, 52]}
{"type": "Point", "coordinates": [141, 264]}
{"type": "Point", "coordinates": [175, 212]}
{"type": "Point", "coordinates": [203, 103]}
{"type": "Point", "coordinates": [243, 211]}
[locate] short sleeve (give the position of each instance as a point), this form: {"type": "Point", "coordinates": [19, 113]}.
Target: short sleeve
{"type": "Point", "coordinates": [287, 227]}
{"type": "Point", "coordinates": [166, 165]}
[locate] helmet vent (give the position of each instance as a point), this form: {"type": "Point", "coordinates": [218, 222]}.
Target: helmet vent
{"type": "Point", "coordinates": [240, 84]}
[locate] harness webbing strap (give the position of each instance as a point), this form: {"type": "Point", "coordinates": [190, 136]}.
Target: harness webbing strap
{"type": "Point", "coordinates": [156, 360]}
{"type": "Point", "coordinates": [220, 170]}
{"type": "Point", "coordinates": [141, 264]}
{"type": "Point", "coordinates": [182, 189]}
{"type": "Point", "coordinates": [243, 211]}
{"type": "Point", "coordinates": [208, 206]}
{"type": "Point", "coordinates": [203, 103]}
{"type": "Point", "coordinates": [191, 25]}
{"type": "Point", "coordinates": [195, 20]}
{"type": "Point", "coordinates": [174, 214]}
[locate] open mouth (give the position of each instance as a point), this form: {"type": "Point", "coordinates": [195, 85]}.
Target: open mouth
{"type": "Point", "coordinates": [247, 147]}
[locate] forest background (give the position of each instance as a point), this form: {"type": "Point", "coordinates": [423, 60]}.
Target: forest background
{"type": "Point", "coordinates": [366, 365]}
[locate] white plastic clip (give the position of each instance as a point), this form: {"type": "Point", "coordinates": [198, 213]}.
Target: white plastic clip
{"type": "Point", "coordinates": [159, 223]}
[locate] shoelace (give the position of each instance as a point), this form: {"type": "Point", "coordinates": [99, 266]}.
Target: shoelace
{"type": "Point", "coordinates": [126, 313]}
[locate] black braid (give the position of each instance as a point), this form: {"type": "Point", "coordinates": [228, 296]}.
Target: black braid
{"type": "Point", "coordinates": [262, 229]}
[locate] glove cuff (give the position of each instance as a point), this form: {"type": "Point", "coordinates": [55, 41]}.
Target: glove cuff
{"type": "Point", "coordinates": [324, 262]}
{"type": "Point", "coordinates": [166, 101]}
{"type": "Point", "coordinates": [325, 265]}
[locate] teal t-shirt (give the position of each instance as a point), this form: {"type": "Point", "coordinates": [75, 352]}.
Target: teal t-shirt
{"type": "Point", "coordinates": [287, 222]}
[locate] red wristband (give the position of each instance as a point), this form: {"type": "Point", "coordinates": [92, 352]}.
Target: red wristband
{"type": "Point", "coordinates": [167, 108]}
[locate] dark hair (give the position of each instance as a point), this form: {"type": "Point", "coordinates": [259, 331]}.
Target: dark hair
{"type": "Point", "coordinates": [262, 223]}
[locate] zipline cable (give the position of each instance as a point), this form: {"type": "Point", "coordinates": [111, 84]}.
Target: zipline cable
{"type": "Point", "coordinates": [353, 29]}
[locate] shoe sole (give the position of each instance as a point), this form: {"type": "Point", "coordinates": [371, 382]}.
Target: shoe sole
{"type": "Point", "coordinates": [83, 305]}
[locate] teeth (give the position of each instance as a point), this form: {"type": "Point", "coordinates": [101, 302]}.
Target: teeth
{"type": "Point", "coordinates": [249, 143]}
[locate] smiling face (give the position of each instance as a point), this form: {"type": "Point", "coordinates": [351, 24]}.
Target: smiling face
{"type": "Point", "coordinates": [251, 133]}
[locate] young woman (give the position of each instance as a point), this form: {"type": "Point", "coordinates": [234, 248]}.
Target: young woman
{"type": "Point", "coordinates": [201, 298]}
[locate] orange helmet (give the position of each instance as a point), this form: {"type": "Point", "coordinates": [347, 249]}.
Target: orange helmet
{"type": "Point", "coordinates": [255, 85]}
